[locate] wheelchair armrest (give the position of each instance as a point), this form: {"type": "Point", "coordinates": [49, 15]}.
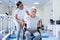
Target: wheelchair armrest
{"type": "Point", "coordinates": [24, 29]}
{"type": "Point", "coordinates": [38, 29]}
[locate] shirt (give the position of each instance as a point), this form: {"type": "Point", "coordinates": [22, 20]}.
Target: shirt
{"type": "Point", "coordinates": [31, 22]}
{"type": "Point", "coordinates": [21, 13]}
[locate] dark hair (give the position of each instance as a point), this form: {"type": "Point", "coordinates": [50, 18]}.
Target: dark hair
{"type": "Point", "coordinates": [18, 3]}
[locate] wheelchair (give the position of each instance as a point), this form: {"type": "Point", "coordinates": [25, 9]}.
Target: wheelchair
{"type": "Point", "coordinates": [31, 36]}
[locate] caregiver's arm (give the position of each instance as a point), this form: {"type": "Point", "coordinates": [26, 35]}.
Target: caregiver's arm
{"type": "Point", "coordinates": [17, 19]}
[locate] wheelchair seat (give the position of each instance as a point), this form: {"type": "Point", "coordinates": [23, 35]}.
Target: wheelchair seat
{"type": "Point", "coordinates": [32, 36]}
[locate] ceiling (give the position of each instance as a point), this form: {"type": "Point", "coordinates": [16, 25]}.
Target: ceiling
{"type": "Point", "coordinates": [26, 2]}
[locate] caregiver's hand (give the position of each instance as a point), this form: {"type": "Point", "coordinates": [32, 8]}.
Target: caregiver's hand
{"type": "Point", "coordinates": [20, 21]}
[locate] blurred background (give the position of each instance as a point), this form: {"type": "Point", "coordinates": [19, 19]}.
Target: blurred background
{"type": "Point", "coordinates": [47, 10]}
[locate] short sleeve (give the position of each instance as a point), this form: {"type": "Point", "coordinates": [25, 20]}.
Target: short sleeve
{"type": "Point", "coordinates": [16, 11]}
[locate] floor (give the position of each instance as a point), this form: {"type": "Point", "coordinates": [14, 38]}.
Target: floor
{"type": "Point", "coordinates": [50, 36]}
{"type": "Point", "coordinates": [46, 33]}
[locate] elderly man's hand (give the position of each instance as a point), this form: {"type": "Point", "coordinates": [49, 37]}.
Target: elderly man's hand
{"type": "Point", "coordinates": [27, 12]}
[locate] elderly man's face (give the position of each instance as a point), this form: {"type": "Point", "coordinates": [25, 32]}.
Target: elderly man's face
{"type": "Point", "coordinates": [33, 12]}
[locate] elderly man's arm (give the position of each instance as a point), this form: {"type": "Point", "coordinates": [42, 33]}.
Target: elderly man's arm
{"type": "Point", "coordinates": [28, 13]}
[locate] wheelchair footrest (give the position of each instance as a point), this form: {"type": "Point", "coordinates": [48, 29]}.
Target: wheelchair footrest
{"type": "Point", "coordinates": [12, 36]}
{"type": "Point", "coordinates": [32, 37]}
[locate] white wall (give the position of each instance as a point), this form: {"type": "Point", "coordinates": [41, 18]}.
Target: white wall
{"type": "Point", "coordinates": [40, 12]}
{"type": "Point", "coordinates": [47, 13]}
{"type": "Point", "coordinates": [56, 16]}
{"type": "Point", "coordinates": [56, 9]}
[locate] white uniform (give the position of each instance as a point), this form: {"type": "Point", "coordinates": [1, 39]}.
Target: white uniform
{"type": "Point", "coordinates": [31, 25]}
{"type": "Point", "coordinates": [21, 14]}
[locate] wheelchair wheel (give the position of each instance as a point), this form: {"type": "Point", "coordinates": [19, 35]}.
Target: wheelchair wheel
{"type": "Point", "coordinates": [24, 38]}
{"type": "Point", "coordinates": [40, 38]}
{"type": "Point", "coordinates": [23, 35]}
